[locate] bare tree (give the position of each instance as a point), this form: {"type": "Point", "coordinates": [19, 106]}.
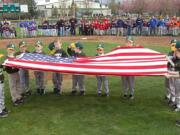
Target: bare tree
{"type": "Point", "coordinates": [161, 7]}
{"type": "Point", "coordinates": [114, 6]}
{"type": "Point", "coordinates": [139, 6]}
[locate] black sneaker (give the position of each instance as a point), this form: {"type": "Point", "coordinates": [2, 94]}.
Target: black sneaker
{"type": "Point", "coordinates": [106, 94]}
{"type": "Point", "coordinates": [3, 114]}
{"type": "Point", "coordinates": [42, 91]}
{"type": "Point", "coordinates": [125, 96]}
{"type": "Point", "coordinates": [73, 93]}
{"type": "Point", "coordinates": [174, 106]}
{"type": "Point", "coordinates": [99, 94]}
{"type": "Point", "coordinates": [166, 98]}
{"type": "Point", "coordinates": [170, 103]}
{"type": "Point", "coordinates": [178, 123]}
{"type": "Point", "coordinates": [131, 96]}
{"type": "Point", "coordinates": [6, 110]}
{"type": "Point", "coordinates": [16, 103]}
{"type": "Point", "coordinates": [55, 90]}
{"type": "Point", "coordinates": [23, 95]}
{"type": "Point", "coordinates": [21, 100]}
{"type": "Point", "coordinates": [58, 92]}
{"type": "Point", "coordinates": [28, 93]}
{"type": "Point", "coordinates": [38, 91]}
{"type": "Point", "coordinates": [82, 93]}
{"type": "Point", "coordinates": [177, 109]}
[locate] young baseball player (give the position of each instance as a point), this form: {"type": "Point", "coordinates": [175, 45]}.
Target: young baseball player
{"type": "Point", "coordinates": [23, 73]}
{"type": "Point", "coordinates": [128, 81]}
{"type": "Point", "coordinates": [101, 78]}
{"type": "Point", "coordinates": [39, 75]}
{"type": "Point", "coordinates": [14, 79]}
{"type": "Point", "coordinates": [3, 110]}
{"type": "Point", "coordinates": [176, 75]}
{"type": "Point", "coordinates": [78, 79]}
{"type": "Point", "coordinates": [169, 82]}
{"type": "Point", "coordinates": [71, 50]}
{"type": "Point", "coordinates": [57, 51]}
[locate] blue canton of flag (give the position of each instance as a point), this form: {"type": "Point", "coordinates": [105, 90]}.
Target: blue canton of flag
{"type": "Point", "coordinates": [46, 58]}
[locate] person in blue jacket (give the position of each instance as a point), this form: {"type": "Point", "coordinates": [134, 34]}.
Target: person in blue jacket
{"type": "Point", "coordinates": [161, 27]}
{"type": "Point", "coordinates": [153, 25]}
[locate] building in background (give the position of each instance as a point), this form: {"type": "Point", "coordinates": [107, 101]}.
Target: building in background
{"type": "Point", "coordinates": [49, 8]}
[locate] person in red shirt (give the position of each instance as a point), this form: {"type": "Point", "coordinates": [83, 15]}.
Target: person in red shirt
{"type": "Point", "coordinates": [96, 24]}
{"type": "Point", "coordinates": [106, 22]}
{"type": "Point", "coordinates": [174, 26]}
{"type": "Point", "coordinates": [101, 28]}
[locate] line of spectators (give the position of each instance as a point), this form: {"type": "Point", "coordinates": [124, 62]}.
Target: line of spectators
{"type": "Point", "coordinates": [117, 26]}
{"type": "Point", "coordinates": [7, 30]}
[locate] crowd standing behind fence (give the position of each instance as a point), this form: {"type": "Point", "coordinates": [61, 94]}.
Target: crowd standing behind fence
{"type": "Point", "coordinates": [115, 26]}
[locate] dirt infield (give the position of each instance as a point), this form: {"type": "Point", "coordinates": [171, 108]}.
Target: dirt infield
{"type": "Point", "coordinates": [110, 39]}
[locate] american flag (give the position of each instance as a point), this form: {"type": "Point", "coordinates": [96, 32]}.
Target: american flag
{"type": "Point", "coordinates": [135, 61]}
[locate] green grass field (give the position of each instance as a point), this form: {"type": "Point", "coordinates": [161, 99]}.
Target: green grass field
{"type": "Point", "coordinates": [147, 114]}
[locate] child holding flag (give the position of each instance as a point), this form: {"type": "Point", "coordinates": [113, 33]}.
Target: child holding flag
{"type": "Point", "coordinates": [23, 73]}
{"type": "Point", "coordinates": [101, 78]}
{"type": "Point", "coordinates": [176, 75]}
{"type": "Point", "coordinates": [57, 51]}
{"type": "Point", "coordinates": [39, 75]}
{"type": "Point", "coordinates": [169, 82]}
{"type": "Point", "coordinates": [128, 81]}
{"type": "Point", "coordinates": [3, 110]}
{"type": "Point", "coordinates": [14, 79]}
{"type": "Point", "coordinates": [77, 51]}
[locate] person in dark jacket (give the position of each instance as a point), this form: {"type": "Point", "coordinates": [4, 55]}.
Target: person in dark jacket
{"type": "Point", "coordinates": [73, 22]}
{"type": "Point", "coordinates": [120, 27]}
{"type": "Point", "coordinates": [139, 25]}
{"type": "Point", "coordinates": [61, 26]}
